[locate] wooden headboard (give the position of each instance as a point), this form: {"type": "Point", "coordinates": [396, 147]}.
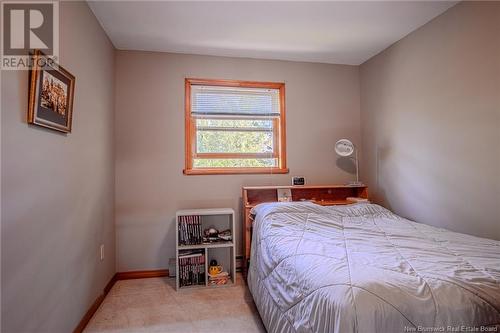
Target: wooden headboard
{"type": "Point", "coordinates": [326, 195]}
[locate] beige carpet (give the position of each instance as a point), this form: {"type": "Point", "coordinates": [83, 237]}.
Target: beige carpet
{"type": "Point", "coordinates": [153, 305]}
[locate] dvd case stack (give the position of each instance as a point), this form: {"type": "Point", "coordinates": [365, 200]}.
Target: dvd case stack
{"type": "Point", "coordinates": [192, 268]}
{"type": "Point", "coordinates": [190, 230]}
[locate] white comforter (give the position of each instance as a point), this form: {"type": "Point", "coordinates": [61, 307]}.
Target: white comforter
{"type": "Point", "coordinates": [361, 268]}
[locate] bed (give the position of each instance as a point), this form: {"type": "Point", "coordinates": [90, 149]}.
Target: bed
{"type": "Point", "coordinates": [361, 268]}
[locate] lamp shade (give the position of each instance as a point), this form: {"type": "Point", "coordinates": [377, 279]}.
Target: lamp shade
{"type": "Point", "coordinates": [344, 147]}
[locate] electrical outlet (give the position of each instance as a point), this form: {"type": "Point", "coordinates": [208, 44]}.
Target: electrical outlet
{"type": "Point", "coordinates": [102, 251]}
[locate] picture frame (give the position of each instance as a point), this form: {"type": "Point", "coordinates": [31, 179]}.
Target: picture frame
{"type": "Point", "coordinates": [51, 93]}
{"type": "Point", "coordinates": [284, 195]}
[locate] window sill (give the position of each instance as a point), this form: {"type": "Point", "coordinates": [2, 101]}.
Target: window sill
{"type": "Point", "coordinates": [234, 171]}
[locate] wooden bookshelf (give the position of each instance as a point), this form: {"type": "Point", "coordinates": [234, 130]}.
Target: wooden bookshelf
{"type": "Point", "coordinates": [325, 195]}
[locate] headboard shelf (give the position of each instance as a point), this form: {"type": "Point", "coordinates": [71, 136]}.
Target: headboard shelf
{"type": "Point", "coordinates": [326, 195]}
{"type": "Point", "coordinates": [254, 195]}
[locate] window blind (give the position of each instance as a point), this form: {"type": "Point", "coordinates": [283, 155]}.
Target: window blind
{"type": "Point", "coordinates": [234, 101]}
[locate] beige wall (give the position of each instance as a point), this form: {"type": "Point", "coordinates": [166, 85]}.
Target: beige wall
{"type": "Point", "coordinates": [430, 115]}
{"type": "Point", "coordinates": [57, 190]}
{"type": "Point", "coordinates": [322, 106]}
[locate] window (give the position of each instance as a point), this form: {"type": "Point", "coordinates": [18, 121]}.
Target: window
{"type": "Point", "coordinates": [235, 127]}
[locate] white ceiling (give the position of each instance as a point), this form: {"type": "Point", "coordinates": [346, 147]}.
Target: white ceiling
{"type": "Point", "coordinates": [347, 32]}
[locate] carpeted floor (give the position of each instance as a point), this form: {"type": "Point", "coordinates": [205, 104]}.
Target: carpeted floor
{"type": "Point", "coordinates": [153, 305]}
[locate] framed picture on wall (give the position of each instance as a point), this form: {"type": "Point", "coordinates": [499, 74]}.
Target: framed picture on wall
{"type": "Point", "coordinates": [50, 94]}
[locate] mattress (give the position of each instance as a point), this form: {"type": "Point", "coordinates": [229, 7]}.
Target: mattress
{"type": "Point", "coordinates": [361, 268]}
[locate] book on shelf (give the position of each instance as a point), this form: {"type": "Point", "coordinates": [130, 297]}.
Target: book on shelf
{"type": "Point", "coordinates": [190, 230]}
{"type": "Point", "coordinates": [356, 199]}
{"type": "Point", "coordinates": [191, 268]}
{"type": "Point", "coordinates": [218, 279]}
{"type": "Point", "coordinates": [190, 255]}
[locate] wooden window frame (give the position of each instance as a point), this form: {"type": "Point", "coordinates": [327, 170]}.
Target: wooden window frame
{"type": "Point", "coordinates": [279, 135]}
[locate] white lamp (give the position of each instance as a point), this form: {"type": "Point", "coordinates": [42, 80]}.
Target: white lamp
{"type": "Point", "coordinates": [346, 148]}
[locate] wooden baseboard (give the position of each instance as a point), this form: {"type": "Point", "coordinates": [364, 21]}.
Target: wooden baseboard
{"type": "Point", "coordinates": [118, 276]}
{"type": "Point", "coordinates": [141, 274]}
{"type": "Point", "coordinates": [88, 315]}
